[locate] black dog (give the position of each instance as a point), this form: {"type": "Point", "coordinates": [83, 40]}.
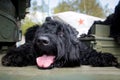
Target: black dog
{"type": "Point", "coordinates": [55, 44]}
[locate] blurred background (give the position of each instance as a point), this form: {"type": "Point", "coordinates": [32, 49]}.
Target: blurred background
{"type": "Point", "coordinates": [41, 8]}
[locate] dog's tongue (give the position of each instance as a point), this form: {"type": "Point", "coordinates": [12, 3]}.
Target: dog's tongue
{"type": "Point", "coordinates": [45, 61]}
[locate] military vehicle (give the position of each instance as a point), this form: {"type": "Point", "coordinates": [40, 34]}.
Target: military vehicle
{"type": "Point", "coordinates": [11, 13]}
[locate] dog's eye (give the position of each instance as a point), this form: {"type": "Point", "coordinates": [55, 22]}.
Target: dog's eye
{"type": "Point", "coordinates": [60, 34]}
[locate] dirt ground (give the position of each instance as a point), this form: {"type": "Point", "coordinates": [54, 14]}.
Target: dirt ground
{"type": "Point", "coordinates": [77, 73]}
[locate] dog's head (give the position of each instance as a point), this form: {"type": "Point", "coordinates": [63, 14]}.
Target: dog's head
{"type": "Point", "coordinates": [52, 41]}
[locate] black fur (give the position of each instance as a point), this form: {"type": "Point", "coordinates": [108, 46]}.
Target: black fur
{"type": "Point", "coordinates": [30, 33]}
{"type": "Point", "coordinates": [21, 56]}
{"type": "Point", "coordinates": [58, 39]}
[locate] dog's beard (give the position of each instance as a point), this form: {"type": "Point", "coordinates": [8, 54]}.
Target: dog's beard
{"type": "Point", "coordinates": [49, 56]}
{"type": "Point", "coordinates": [45, 57]}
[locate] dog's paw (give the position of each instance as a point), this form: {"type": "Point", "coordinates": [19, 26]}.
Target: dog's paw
{"type": "Point", "coordinates": [12, 60]}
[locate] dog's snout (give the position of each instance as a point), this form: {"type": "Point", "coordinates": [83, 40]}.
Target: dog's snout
{"type": "Point", "coordinates": [43, 40]}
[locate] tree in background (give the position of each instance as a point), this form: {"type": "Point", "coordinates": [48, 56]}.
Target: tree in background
{"type": "Point", "coordinates": [63, 6]}
{"type": "Point", "coordinates": [90, 7]}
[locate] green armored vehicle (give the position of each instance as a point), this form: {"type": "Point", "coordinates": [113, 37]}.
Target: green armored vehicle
{"type": "Point", "coordinates": [11, 12]}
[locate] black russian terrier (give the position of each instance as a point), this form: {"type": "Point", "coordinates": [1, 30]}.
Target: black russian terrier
{"type": "Point", "coordinates": [55, 44]}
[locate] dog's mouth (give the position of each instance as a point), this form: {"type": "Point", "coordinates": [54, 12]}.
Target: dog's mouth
{"type": "Point", "coordinates": [46, 56]}
{"type": "Point", "coordinates": [45, 61]}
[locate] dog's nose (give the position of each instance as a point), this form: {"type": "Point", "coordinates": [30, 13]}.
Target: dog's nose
{"type": "Point", "coordinates": [43, 40]}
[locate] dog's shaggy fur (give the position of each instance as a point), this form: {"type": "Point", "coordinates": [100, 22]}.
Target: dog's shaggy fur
{"type": "Point", "coordinates": [60, 40]}
{"type": "Point", "coordinates": [30, 33]}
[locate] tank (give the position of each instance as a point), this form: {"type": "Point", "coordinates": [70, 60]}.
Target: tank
{"type": "Point", "coordinates": [11, 13]}
{"type": "Point", "coordinates": [101, 41]}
